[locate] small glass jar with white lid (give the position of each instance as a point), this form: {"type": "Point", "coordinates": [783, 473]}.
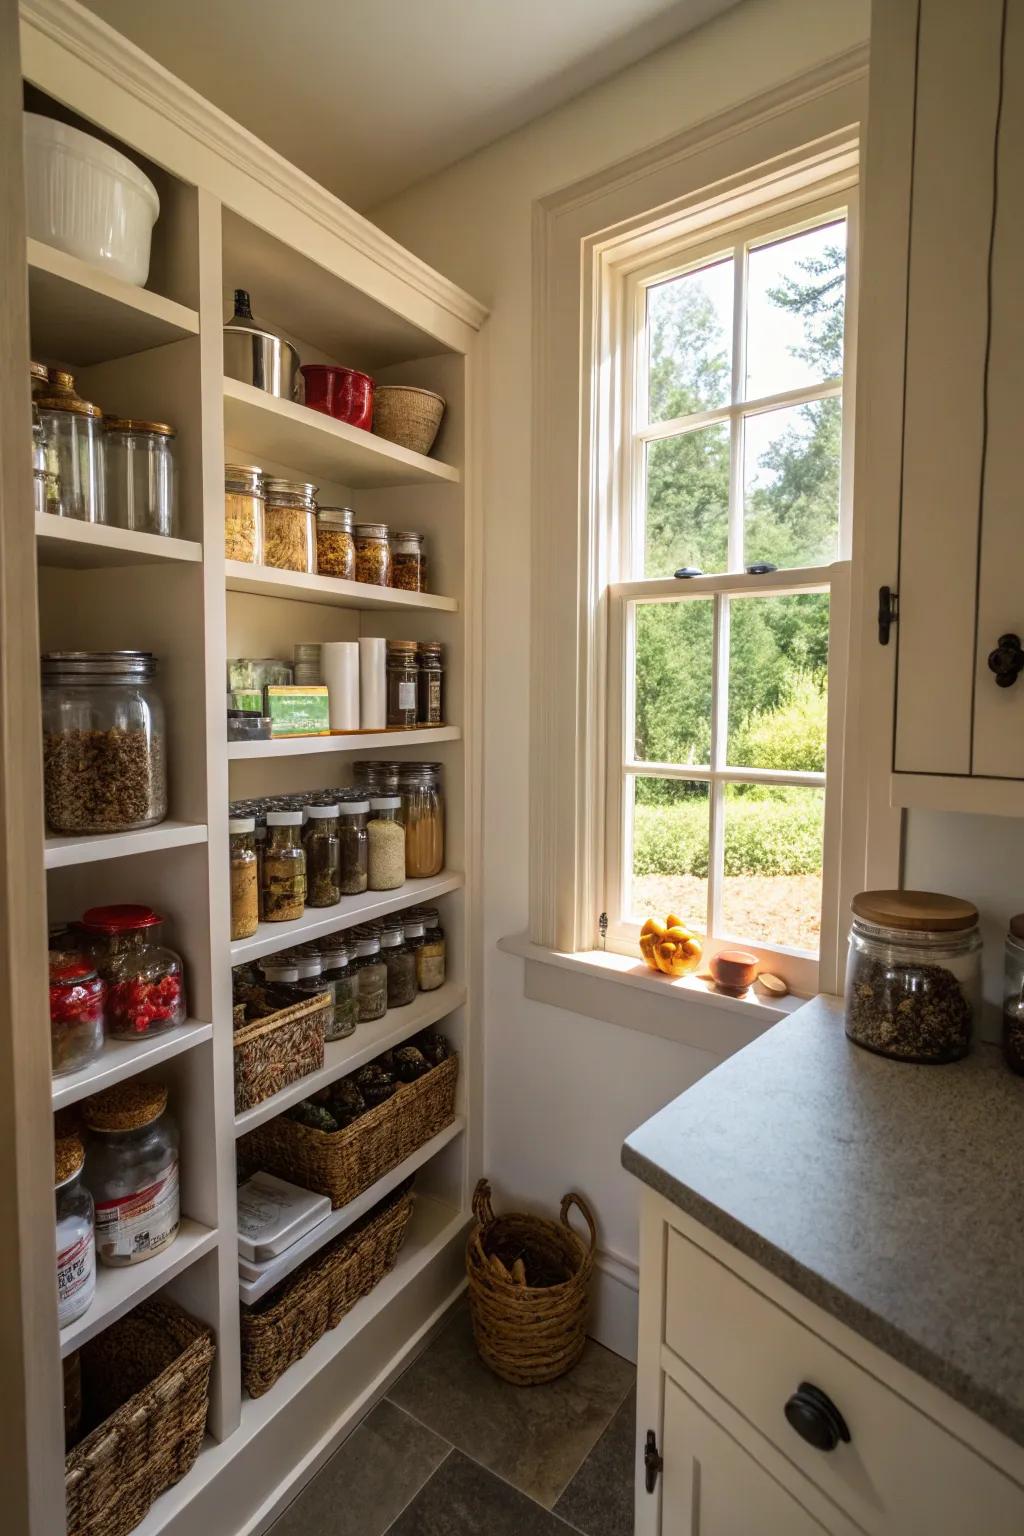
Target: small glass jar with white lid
{"type": "Point", "coordinates": [372, 976]}
{"type": "Point", "coordinates": [386, 844]}
{"type": "Point", "coordinates": [131, 1170]}
{"type": "Point", "coordinates": [76, 1239]}
{"type": "Point", "coordinates": [338, 970]}
{"type": "Point", "coordinates": [141, 480]}
{"type": "Point", "coordinates": [321, 839]}
{"type": "Point", "coordinates": [284, 868]}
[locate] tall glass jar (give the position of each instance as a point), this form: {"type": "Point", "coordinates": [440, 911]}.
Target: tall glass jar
{"type": "Point", "coordinates": [377, 778]}
{"type": "Point", "coordinates": [73, 432]}
{"type": "Point", "coordinates": [386, 844]}
{"type": "Point", "coordinates": [76, 1239]}
{"type": "Point", "coordinates": [408, 564]}
{"type": "Point", "coordinates": [338, 971]}
{"type": "Point", "coordinates": [335, 542]}
{"type": "Point", "coordinates": [260, 840]}
{"type": "Point", "coordinates": [402, 680]}
{"type": "Point", "coordinates": [104, 755]}
{"type": "Point", "coordinates": [430, 686]}
{"type": "Point", "coordinates": [322, 841]}
{"type": "Point", "coordinates": [373, 554]}
{"type": "Point", "coordinates": [311, 981]}
{"type": "Point", "coordinates": [45, 485]}
{"type": "Point", "coordinates": [131, 1169]}
{"type": "Point", "coordinates": [141, 483]}
{"type": "Point", "coordinates": [431, 954]}
{"type": "Point", "coordinates": [423, 814]}
{"type": "Point", "coordinates": [1013, 995]}
{"type": "Point", "coordinates": [145, 983]}
{"type": "Point", "coordinates": [372, 976]}
{"type": "Point", "coordinates": [243, 513]}
{"type": "Point", "coordinates": [353, 855]}
{"type": "Point", "coordinates": [245, 902]}
{"type": "Point", "coordinates": [284, 868]}
{"type": "Point", "coordinates": [913, 977]}
{"type": "Point", "coordinates": [77, 998]}
{"type": "Point", "coordinates": [400, 962]}
{"type": "Point", "coordinates": [290, 525]}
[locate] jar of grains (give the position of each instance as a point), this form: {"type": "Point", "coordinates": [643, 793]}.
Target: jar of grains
{"type": "Point", "coordinates": [284, 868]}
{"type": "Point", "coordinates": [311, 981]}
{"type": "Point", "coordinates": [345, 981]}
{"type": "Point", "coordinates": [104, 761]}
{"type": "Point", "coordinates": [322, 841]}
{"type": "Point", "coordinates": [76, 1239]}
{"type": "Point", "coordinates": [141, 487]}
{"type": "Point", "coordinates": [408, 563]}
{"type": "Point", "coordinates": [423, 814]}
{"type": "Point", "coordinates": [913, 977]}
{"type": "Point", "coordinates": [245, 903]}
{"type": "Point", "coordinates": [1013, 995]}
{"type": "Point", "coordinates": [373, 554]}
{"type": "Point", "coordinates": [403, 680]}
{"type": "Point", "coordinates": [429, 701]}
{"type": "Point", "coordinates": [131, 1168]}
{"type": "Point", "coordinates": [243, 513]}
{"type": "Point", "coordinates": [289, 520]}
{"type": "Point", "coordinates": [386, 844]}
{"type": "Point", "coordinates": [431, 950]}
{"type": "Point", "coordinates": [73, 435]}
{"type": "Point", "coordinates": [353, 846]}
{"type": "Point", "coordinates": [335, 542]}
{"type": "Point", "coordinates": [77, 996]}
{"type": "Point", "coordinates": [371, 975]}
{"type": "Point", "coordinates": [377, 778]}
{"type": "Point", "coordinates": [260, 839]}
{"type": "Point", "coordinates": [145, 984]}
{"type": "Point", "coordinates": [400, 963]}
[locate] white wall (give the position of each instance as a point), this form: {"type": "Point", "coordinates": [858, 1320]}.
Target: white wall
{"type": "Point", "coordinates": [562, 1090]}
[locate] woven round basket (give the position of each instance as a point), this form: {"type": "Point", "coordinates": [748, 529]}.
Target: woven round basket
{"type": "Point", "coordinates": [529, 1289]}
{"type": "Point", "coordinates": [406, 416]}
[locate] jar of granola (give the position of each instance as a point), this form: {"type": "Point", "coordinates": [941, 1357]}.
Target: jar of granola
{"type": "Point", "coordinates": [290, 522]}
{"type": "Point", "coordinates": [284, 868]}
{"type": "Point", "coordinates": [131, 1170]}
{"type": "Point", "coordinates": [408, 563]}
{"type": "Point", "coordinates": [245, 906]}
{"type": "Point", "coordinates": [373, 554]}
{"type": "Point", "coordinates": [335, 542]}
{"type": "Point", "coordinates": [243, 513]}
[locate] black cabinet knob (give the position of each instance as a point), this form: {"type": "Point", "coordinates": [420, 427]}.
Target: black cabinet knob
{"type": "Point", "coordinates": [1007, 660]}
{"type": "Point", "coordinates": [816, 1418]}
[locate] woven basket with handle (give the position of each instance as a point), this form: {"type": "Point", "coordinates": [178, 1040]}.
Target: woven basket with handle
{"type": "Point", "coordinates": [529, 1289]}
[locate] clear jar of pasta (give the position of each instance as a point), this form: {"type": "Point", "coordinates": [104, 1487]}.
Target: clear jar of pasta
{"type": "Point", "coordinates": [335, 543]}
{"type": "Point", "coordinates": [423, 814]}
{"type": "Point", "coordinates": [243, 513]}
{"type": "Point", "coordinates": [289, 519]}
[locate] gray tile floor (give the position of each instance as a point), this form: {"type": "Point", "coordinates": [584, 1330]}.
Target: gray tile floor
{"type": "Point", "coordinates": [453, 1451]}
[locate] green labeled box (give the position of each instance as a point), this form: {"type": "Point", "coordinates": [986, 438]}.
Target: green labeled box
{"type": "Point", "coordinates": [298, 711]}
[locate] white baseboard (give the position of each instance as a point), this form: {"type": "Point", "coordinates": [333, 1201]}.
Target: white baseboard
{"type": "Point", "coordinates": [615, 1303]}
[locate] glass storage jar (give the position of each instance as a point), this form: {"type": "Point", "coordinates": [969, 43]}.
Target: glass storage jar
{"type": "Point", "coordinates": [377, 778]}
{"type": "Point", "coordinates": [345, 981]}
{"type": "Point", "coordinates": [104, 757]}
{"type": "Point", "coordinates": [429, 700]}
{"type": "Point", "coordinates": [45, 486]}
{"type": "Point", "coordinates": [335, 542]}
{"type": "Point", "coordinates": [77, 997]}
{"type": "Point", "coordinates": [260, 839]}
{"type": "Point", "coordinates": [131, 1169]}
{"type": "Point", "coordinates": [289, 520]}
{"type": "Point", "coordinates": [400, 962]}
{"type": "Point", "coordinates": [141, 483]}
{"type": "Point", "coordinates": [373, 554]}
{"type": "Point", "coordinates": [408, 566]}
{"type": "Point", "coordinates": [1013, 995]}
{"type": "Point", "coordinates": [243, 513]}
{"type": "Point", "coordinates": [371, 974]}
{"type": "Point", "coordinates": [245, 902]}
{"type": "Point", "coordinates": [311, 981]}
{"type": "Point", "coordinates": [353, 846]}
{"type": "Point", "coordinates": [402, 680]}
{"type": "Point", "coordinates": [76, 1238]}
{"type": "Point", "coordinates": [145, 983]}
{"type": "Point", "coordinates": [39, 378]}
{"type": "Point", "coordinates": [322, 841]}
{"type": "Point", "coordinates": [913, 977]}
{"type": "Point", "coordinates": [423, 814]}
{"type": "Point", "coordinates": [386, 844]}
{"type": "Point", "coordinates": [73, 433]}
{"type": "Point", "coordinates": [431, 955]}
{"type": "Point", "coordinates": [284, 868]}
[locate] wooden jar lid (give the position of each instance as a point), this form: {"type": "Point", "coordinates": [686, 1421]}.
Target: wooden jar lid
{"type": "Point", "coordinates": [918, 911]}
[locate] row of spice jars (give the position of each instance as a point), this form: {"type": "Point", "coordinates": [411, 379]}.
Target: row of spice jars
{"type": "Point", "coordinates": [99, 469]}
{"type": "Point", "coordinates": [415, 683]}
{"type": "Point", "coordinates": [116, 1192]}
{"type": "Point", "coordinates": [110, 976]}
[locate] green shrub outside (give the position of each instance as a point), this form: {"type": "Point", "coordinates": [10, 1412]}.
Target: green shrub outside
{"type": "Point", "coordinates": [764, 836]}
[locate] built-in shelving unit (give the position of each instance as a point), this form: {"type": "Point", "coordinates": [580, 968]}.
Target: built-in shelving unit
{"type": "Point", "coordinates": [331, 591]}
{"type": "Point", "coordinates": [61, 852]}
{"type": "Point", "coordinates": [61, 541]}
{"type": "Point", "coordinates": [349, 741]}
{"type": "Point", "coordinates": [127, 1058]}
{"type": "Point", "coordinates": [347, 913]}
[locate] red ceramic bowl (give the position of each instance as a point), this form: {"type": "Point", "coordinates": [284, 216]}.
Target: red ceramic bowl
{"type": "Point", "coordinates": [339, 392]}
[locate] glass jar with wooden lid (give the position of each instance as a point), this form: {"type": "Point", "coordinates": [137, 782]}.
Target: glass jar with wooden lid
{"type": "Point", "coordinates": [403, 683]}
{"type": "Point", "coordinates": [141, 485]}
{"type": "Point", "coordinates": [335, 542]}
{"type": "Point", "coordinates": [73, 434]}
{"type": "Point", "coordinates": [243, 513]}
{"type": "Point", "coordinates": [373, 554]}
{"type": "Point", "coordinates": [913, 977]}
{"type": "Point", "coordinates": [131, 1170]}
{"type": "Point", "coordinates": [289, 521]}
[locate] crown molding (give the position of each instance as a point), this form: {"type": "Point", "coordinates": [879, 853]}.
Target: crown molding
{"type": "Point", "coordinates": [112, 56]}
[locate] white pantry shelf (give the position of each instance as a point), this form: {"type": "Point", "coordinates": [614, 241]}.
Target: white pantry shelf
{"type": "Point", "coordinates": [350, 910]}
{"type": "Point", "coordinates": [330, 591]}
{"type": "Point", "coordinates": [81, 314]}
{"type": "Point", "coordinates": [339, 1221]}
{"type": "Point", "coordinates": [124, 1058]}
{"type": "Point", "coordinates": [61, 852]}
{"type": "Point", "coordinates": [119, 1290]}
{"type": "Point", "coordinates": [369, 1040]}
{"type": "Point", "coordinates": [286, 433]}
{"type": "Point", "coordinates": [64, 541]}
{"type": "Point", "coordinates": [349, 741]}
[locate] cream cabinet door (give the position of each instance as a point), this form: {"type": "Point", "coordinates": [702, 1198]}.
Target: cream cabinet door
{"type": "Point", "coordinates": [713, 1487]}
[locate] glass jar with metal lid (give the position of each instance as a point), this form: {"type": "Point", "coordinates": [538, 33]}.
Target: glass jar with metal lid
{"type": "Point", "coordinates": [284, 868]}
{"type": "Point", "coordinates": [145, 980]}
{"type": "Point", "coordinates": [73, 433]}
{"type": "Point", "coordinates": [372, 975]}
{"type": "Point", "coordinates": [141, 484]}
{"type": "Point", "coordinates": [45, 484]}
{"type": "Point", "coordinates": [244, 869]}
{"type": "Point", "coordinates": [335, 542]}
{"type": "Point", "coordinates": [289, 520]}
{"type": "Point", "coordinates": [1013, 995]}
{"type": "Point", "coordinates": [430, 683]}
{"type": "Point", "coordinates": [104, 754]}
{"type": "Point", "coordinates": [913, 977]}
{"type": "Point", "coordinates": [403, 683]}
{"type": "Point", "coordinates": [400, 962]}
{"type": "Point", "coordinates": [243, 513]}
{"type": "Point", "coordinates": [373, 554]}
{"type": "Point", "coordinates": [377, 778]}
{"type": "Point", "coordinates": [423, 814]}
{"type": "Point", "coordinates": [431, 953]}
{"type": "Point", "coordinates": [386, 844]}
{"type": "Point", "coordinates": [321, 839]}
{"type": "Point", "coordinates": [39, 378]}
{"type": "Point", "coordinates": [353, 846]}
{"type": "Point", "coordinates": [77, 1000]}
{"type": "Point", "coordinates": [338, 971]}
{"type": "Point", "coordinates": [131, 1170]}
{"type": "Point", "coordinates": [76, 1238]}
{"type": "Point", "coordinates": [311, 981]}
{"type": "Point", "coordinates": [408, 562]}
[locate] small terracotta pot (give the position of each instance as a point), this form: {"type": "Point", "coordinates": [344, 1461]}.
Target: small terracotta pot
{"type": "Point", "coordinates": [734, 971]}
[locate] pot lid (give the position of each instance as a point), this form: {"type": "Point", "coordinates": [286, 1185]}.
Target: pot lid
{"type": "Point", "coordinates": [243, 320]}
{"type": "Point", "coordinates": [917, 911]}
{"type": "Point", "coordinates": [60, 395]}
{"type": "Point", "coordinates": [123, 918]}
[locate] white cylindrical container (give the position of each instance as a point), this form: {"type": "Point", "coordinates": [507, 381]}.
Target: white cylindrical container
{"type": "Point", "coordinates": [373, 684]}
{"type": "Point", "coordinates": [340, 662]}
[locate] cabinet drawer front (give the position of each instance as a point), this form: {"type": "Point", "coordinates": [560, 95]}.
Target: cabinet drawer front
{"type": "Point", "coordinates": [900, 1473]}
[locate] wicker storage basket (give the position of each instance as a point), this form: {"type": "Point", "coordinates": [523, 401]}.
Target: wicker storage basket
{"type": "Point", "coordinates": [407, 416]}
{"type": "Point", "coordinates": [146, 1388]}
{"type": "Point", "coordinates": [288, 1321]}
{"type": "Point", "coordinates": [529, 1289]}
{"type": "Point", "coordinates": [341, 1164]}
{"type": "Point", "coordinates": [277, 1050]}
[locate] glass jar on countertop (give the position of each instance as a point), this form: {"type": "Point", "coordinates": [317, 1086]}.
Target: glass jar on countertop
{"type": "Point", "coordinates": [141, 480]}
{"type": "Point", "coordinates": [289, 521]}
{"type": "Point", "coordinates": [321, 839]}
{"type": "Point", "coordinates": [76, 1237]}
{"type": "Point", "coordinates": [335, 542]}
{"type": "Point", "coordinates": [77, 999]}
{"type": "Point", "coordinates": [1013, 995]}
{"type": "Point", "coordinates": [408, 563]}
{"type": "Point", "coordinates": [401, 965]}
{"type": "Point", "coordinates": [913, 976]}
{"type": "Point", "coordinates": [338, 971]}
{"type": "Point", "coordinates": [243, 513]}
{"type": "Point", "coordinates": [73, 434]}
{"type": "Point", "coordinates": [145, 983]}
{"type": "Point", "coordinates": [372, 976]}
{"type": "Point", "coordinates": [373, 554]}
{"type": "Point", "coordinates": [131, 1169]}
{"type": "Point", "coordinates": [353, 846]}
{"type": "Point", "coordinates": [284, 868]}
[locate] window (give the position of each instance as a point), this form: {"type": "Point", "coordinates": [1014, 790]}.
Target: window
{"type": "Point", "coordinates": [731, 488]}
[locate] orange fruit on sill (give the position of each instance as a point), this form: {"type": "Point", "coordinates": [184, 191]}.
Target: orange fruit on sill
{"type": "Point", "coordinates": [670, 947]}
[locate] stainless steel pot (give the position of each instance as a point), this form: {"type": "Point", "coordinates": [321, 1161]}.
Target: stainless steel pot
{"type": "Point", "coordinates": [257, 356]}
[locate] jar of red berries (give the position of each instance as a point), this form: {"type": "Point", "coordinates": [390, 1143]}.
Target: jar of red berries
{"type": "Point", "coordinates": [145, 985]}
{"type": "Point", "coordinates": [76, 1012]}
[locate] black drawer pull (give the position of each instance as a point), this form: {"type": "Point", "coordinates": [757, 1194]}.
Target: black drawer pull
{"type": "Point", "coordinates": [816, 1418]}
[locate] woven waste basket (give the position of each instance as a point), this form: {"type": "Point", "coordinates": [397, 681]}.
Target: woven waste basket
{"type": "Point", "coordinates": [529, 1289]}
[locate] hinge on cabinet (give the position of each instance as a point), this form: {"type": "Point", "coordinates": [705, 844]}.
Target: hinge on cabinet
{"type": "Point", "coordinates": [888, 612]}
{"type": "Point", "coordinates": [653, 1462]}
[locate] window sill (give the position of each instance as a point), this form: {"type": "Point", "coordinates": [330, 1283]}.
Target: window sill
{"type": "Point", "coordinates": [623, 991]}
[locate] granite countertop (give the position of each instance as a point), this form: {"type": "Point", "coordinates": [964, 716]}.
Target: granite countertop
{"type": "Point", "coordinates": [890, 1195]}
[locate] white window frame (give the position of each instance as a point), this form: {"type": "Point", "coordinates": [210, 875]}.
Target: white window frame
{"type": "Point", "coordinates": [624, 454]}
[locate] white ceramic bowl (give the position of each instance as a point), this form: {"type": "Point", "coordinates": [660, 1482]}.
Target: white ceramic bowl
{"type": "Point", "coordinates": [88, 199]}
